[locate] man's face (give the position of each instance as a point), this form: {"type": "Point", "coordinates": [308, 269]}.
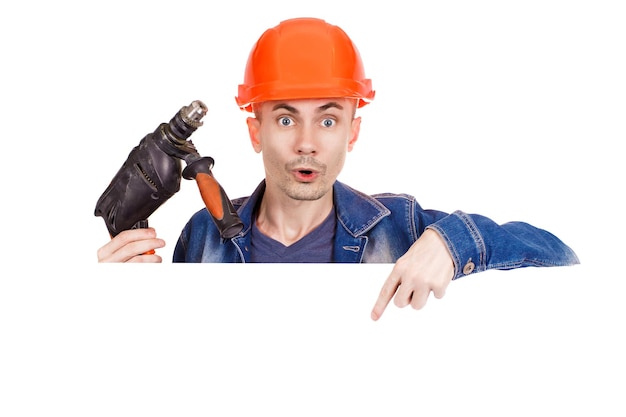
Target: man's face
{"type": "Point", "coordinates": [304, 143]}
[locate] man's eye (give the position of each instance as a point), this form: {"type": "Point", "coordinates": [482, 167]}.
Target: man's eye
{"type": "Point", "coordinates": [285, 121]}
{"type": "Point", "coordinates": [328, 122]}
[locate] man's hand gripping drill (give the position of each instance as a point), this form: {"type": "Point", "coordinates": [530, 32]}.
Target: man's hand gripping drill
{"type": "Point", "coordinates": [151, 175]}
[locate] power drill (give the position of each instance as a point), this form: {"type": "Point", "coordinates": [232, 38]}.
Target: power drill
{"type": "Point", "coordinates": [151, 175]}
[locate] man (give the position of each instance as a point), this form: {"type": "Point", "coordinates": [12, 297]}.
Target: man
{"type": "Point", "coordinates": [304, 81]}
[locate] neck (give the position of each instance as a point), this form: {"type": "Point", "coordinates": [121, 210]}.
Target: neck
{"type": "Point", "coordinates": [287, 220]}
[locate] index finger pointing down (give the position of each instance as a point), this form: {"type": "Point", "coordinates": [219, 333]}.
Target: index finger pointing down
{"type": "Point", "coordinates": [386, 294]}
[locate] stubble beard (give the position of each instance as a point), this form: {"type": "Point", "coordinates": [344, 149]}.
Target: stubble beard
{"type": "Point", "coordinates": [306, 191]}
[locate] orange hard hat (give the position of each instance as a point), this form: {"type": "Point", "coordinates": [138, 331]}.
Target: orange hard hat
{"type": "Point", "coordinates": [304, 58]}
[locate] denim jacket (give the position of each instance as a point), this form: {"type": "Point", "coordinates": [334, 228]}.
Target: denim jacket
{"type": "Point", "coordinates": [382, 227]}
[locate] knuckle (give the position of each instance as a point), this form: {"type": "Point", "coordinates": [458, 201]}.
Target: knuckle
{"type": "Point", "coordinates": [399, 302]}
{"type": "Point", "coordinates": [418, 305]}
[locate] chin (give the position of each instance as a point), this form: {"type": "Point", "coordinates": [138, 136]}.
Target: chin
{"type": "Point", "coordinates": [307, 192]}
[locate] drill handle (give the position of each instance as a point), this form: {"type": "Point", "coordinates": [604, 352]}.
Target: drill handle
{"type": "Point", "coordinates": [215, 199]}
{"type": "Point", "coordinates": [219, 206]}
{"type": "Point", "coordinates": [143, 224]}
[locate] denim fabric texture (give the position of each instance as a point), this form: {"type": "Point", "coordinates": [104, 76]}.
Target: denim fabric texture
{"type": "Point", "coordinates": [382, 227]}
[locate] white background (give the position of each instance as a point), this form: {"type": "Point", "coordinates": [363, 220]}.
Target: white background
{"type": "Point", "coordinates": [514, 110]}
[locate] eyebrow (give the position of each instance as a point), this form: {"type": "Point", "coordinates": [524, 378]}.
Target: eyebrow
{"type": "Point", "coordinates": [329, 105]}
{"type": "Point", "coordinates": [293, 110]}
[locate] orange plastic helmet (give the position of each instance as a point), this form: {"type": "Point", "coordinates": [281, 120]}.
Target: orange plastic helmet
{"type": "Point", "coordinates": [304, 58]}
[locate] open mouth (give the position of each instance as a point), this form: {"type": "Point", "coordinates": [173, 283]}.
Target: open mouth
{"type": "Point", "coordinates": [305, 175]}
{"type": "Point", "coordinates": [306, 169]}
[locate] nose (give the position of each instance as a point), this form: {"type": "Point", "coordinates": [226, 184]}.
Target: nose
{"type": "Point", "coordinates": [305, 144]}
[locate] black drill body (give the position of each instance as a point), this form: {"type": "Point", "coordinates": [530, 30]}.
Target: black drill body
{"type": "Point", "coordinates": [151, 175]}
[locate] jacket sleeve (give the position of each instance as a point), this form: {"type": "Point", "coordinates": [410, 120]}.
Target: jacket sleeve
{"type": "Point", "coordinates": [477, 244]}
{"type": "Point", "coordinates": [180, 250]}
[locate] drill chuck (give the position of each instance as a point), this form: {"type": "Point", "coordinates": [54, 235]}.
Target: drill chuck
{"type": "Point", "coordinates": [187, 120]}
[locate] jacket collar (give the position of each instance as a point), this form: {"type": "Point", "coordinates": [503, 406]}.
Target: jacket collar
{"type": "Point", "coordinates": [356, 212]}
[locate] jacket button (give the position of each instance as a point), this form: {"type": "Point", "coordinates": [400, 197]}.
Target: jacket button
{"type": "Point", "coordinates": [468, 268]}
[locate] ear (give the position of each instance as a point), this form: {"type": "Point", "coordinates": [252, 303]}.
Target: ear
{"type": "Point", "coordinates": [253, 130]}
{"type": "Point", "coordinates": [354, 132]}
